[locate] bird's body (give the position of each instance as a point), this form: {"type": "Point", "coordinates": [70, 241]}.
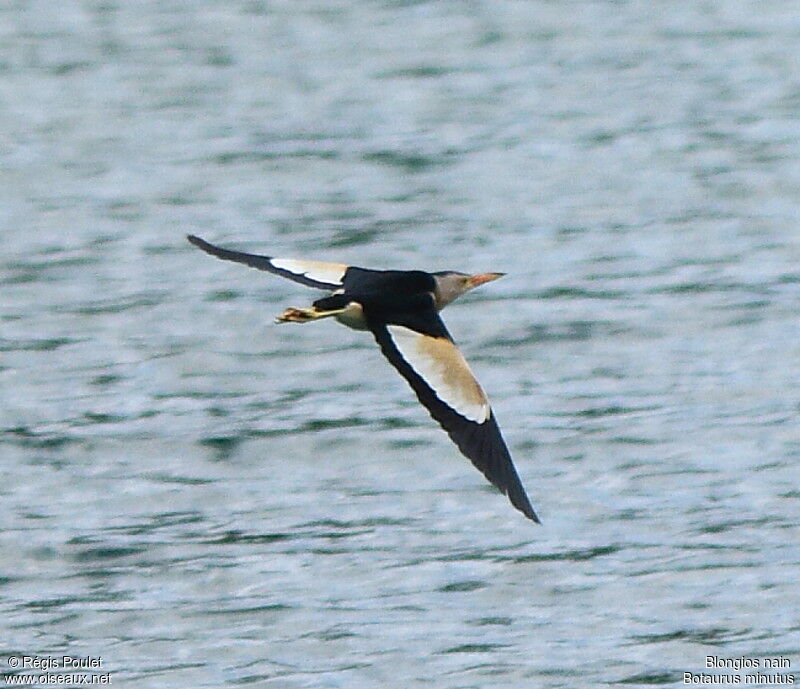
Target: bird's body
{"type": "Point", "coordinates": [401, 309]}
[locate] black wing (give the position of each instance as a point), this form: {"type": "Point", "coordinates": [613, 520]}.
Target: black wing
{"type": "Point", "coordinates": [310, 273]}
{"type": "Point", "coordinates": [444, 383]}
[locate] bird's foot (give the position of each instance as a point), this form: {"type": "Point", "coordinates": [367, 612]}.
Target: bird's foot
{"type": "Point", "coordinates": [293, 315]}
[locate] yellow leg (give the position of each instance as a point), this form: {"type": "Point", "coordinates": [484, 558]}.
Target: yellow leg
{"type": "Point", "coordinates": [293, 315]}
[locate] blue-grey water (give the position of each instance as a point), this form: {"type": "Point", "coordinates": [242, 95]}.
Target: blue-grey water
{"type": "Point", "coordinates": [200, 498]}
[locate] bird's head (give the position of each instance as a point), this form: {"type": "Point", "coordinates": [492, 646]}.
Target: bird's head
{"type": "Point", "coordinates": [451, 284]}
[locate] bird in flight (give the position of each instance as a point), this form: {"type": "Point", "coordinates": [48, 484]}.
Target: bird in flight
{"type": "Point", "coordinates": [401, 310]}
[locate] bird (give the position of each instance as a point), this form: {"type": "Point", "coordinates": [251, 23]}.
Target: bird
{"type": "Point", "coordinates": [401, 310]}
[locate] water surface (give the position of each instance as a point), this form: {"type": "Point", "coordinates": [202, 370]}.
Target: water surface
{"type": "Point", "coordinates": [203, 499]}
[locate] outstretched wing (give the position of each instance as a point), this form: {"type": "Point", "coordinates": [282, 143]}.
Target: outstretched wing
{"type": "Point", "coordinates": [310, 273]}
{"type": "Point", "coordinates": [444, 383]}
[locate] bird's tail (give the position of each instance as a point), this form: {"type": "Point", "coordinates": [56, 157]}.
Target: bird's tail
{"type": "Point", "coordinates": [332, 303]}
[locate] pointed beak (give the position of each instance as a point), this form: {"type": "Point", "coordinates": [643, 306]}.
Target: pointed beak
{"type": "Point", "coordinates": [482, 279]}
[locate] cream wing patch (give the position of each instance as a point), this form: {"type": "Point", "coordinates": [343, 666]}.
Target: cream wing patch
{"type": "Point", "coordinates": [321, 271]}
{"type": "Point", "coordinates": [439, 363]}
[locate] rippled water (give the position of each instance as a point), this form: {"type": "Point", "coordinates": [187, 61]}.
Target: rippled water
{"type": "Point", "coordinates": [200, 498]}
